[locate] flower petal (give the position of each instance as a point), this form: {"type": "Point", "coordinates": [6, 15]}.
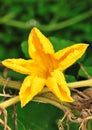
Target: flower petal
{"type": "Point", "coordinates": [69, 55]}
{"type": "Point", "coordinates": [39, 44]}
{"type": "Point", "coordinates": [18, 65]}
{"type": "Point", "coordinates": [57, 84]}
{"type": "Point", "coordinates": [30, 87]}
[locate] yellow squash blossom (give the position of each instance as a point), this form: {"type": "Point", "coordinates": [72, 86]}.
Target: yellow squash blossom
{"type": "Point", "coordinates": [45, 67]}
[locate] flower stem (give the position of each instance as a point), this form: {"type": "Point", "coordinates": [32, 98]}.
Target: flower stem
{"type": "Point", "coordinates": [41, 97]}
{"type": "Point", "coordinates": [50, 27]}
{"type": "Point", "coordinates": [50, 101]}
{"type": "Point", "coordinates": [10, 83]}
{"type": "Point", "coordinates": [17, 84]}
{"type": "Point", "coordinates": [80, 84]}
{"type": "Point", "coordinates": [38, 98]}
{"type": "Point", "coordinates": [67, 23]}
{"type": "Point", "coordinates": [10, 102]}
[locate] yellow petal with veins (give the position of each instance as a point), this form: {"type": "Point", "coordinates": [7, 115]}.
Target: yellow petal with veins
{"type": "Point", "coordinates": [66, 57]}
{"type": "Point", "coordinates": [18, 65]}
{"type": "Point", "coordinates": [57, 84]}
{"type": "Point", "coordinates": [38, 44]}
{"type": "Point", "coordinates": [31, 86]}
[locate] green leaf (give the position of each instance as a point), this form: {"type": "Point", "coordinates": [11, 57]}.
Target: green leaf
{"type": "Point", "coordinates": [60, 43]}
{"type": "Point", "coordinates": [72, 70]}
{"type": "Point", "coordinates": [70, 78]}
{"type": "Point", "coordinates": [24, 47]}
{"type": "Point", "coordinates": [88, 69]}
{"type": "Point", "coordinates": [15, 75]}
{"type": "Point", "coordinates": [88, 58]}
{"type": "Point", "coordinates": [2, 52]}
{"type": "Point", "coordinates": [74, 126]}
{"type": "Point", "coordinates": [35, 116]}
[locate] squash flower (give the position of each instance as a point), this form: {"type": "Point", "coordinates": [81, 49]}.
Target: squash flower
{"type": "Point", "coordinates": [45, 68]}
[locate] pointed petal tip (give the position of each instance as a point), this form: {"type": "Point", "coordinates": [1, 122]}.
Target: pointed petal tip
{"type": "Point", "coordinates": [83, 45]}
{"type": "Point", "coordinates": [71, 100]}
{"type": "Point", "coordinates": [5, 62]}
{"type": "Point", "coordinates": [68, 99]}
{"type": "Point", "coordinates": [34, 29]}
{"type": "Point", "coordinates": [22, 104]}
{"type": "Point", "coordinates": [2, 62]}
{"type": "Point", "coordinates": [22, 99]}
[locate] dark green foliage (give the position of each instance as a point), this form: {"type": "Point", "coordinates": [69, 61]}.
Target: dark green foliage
{"type": "Point", "coordinates": [24, 47]}
{"type": "Point", "coordinates": [35, 116]}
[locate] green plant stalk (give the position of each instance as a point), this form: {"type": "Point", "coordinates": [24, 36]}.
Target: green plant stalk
{"type": "Point", "coordinates": [17, 84]}
{"type": "Point", "coordinates": [10, 83]}
{"type": "Point", "coordinates": [39, 98]}
{"type": "Point", "coordinates": [49, 27]}
{"type": "Point", "coordinates": [54, 102]}
{"type": "Point", "coordinates": [10, 102]}
{"type": "Point", "coordinates": [67, 23]}
{"type": "Point", "coordinates": [80, 84]}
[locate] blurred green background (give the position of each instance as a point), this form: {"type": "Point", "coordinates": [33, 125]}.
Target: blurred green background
{"type": "Point", "coordinates": [70, 20]}
{"type": "Point", "coordinates": [63, 21]}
